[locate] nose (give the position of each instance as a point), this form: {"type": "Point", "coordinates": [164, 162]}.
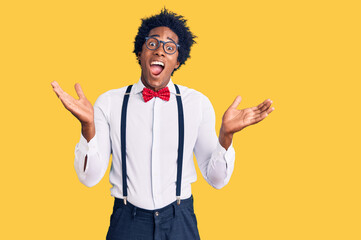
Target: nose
{"type": "Point", "coordinates": [160, 51]}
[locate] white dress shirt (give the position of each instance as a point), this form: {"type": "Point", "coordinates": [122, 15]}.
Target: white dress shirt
{"type": "Point", "coordinates": [152, 145]}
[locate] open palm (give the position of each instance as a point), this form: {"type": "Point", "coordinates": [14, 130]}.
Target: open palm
{"type": "Point", "coordinates": [81, 108]}
{"type": "Point", "coordinates": [235, 120]}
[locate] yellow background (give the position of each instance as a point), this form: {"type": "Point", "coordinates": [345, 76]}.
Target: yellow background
{"type": "Point", "coordinates": [297, 173]}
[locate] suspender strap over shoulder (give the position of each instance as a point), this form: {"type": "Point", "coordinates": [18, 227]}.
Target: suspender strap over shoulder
{"type": "Point", "coordinates": [180, 143]}
{"type": "Point", "coordinates": [123, 127]}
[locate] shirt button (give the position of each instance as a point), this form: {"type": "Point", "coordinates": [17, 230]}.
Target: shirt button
{"type": "Point", "coordinates": [156, 214]}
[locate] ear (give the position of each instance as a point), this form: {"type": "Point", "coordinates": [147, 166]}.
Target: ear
{"type": "Point", "coordinates": [177, 65]}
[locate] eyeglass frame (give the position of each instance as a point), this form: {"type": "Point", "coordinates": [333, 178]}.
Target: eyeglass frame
{"type": "Point", "coordinates": [159, 42]}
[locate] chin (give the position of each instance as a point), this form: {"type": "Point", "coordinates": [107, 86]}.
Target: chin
{"type": "Point", "coordinates": [157, 81]}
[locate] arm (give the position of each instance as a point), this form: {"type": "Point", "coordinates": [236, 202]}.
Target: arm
{"type": "Point", "coordinates": [215, 161]}
{"type": "Point", "coordinates": [92, 156]}
{"type": "Point", "coordinates": [93, 150]}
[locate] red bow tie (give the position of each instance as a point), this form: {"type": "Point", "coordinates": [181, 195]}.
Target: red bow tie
{"type": "Point", "coordinates": [162, 94]}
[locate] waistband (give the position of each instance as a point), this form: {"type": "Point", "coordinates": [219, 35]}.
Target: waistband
{"type": "Point", "coordinates": [161, 212]}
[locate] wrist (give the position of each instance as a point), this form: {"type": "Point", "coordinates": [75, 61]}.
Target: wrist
{"type": "Point", "coordinates": [225, 132]}
{"type": "Point", "coordinates": [225, 138]}
{"type": "Point", "coordinates": [88, 130]}
{"type": "Point", "coordinates": [87, 125]}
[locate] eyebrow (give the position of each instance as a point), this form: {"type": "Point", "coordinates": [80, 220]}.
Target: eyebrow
{"type": "Point", "coordinates": [170, 39]}
{"type": "Point", "coordinates": [156, 35]}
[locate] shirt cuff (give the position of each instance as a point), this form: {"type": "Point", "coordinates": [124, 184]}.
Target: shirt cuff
{"type": "Point", "coordinates": [82, 149]}
{"type": "Point", "coordinates": [87, 147]}
{"type": "Point", "coordinates": [228, 155]}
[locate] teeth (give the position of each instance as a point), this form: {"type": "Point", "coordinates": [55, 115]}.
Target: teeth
{"type": "Point", "coordinates": [157, 63]}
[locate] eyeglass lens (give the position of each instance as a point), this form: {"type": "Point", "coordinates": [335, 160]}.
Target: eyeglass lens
{"type": "Point", "coordinates": [169, 47]}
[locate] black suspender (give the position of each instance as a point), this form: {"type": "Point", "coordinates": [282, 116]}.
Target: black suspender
{"type": "Point", "coordinates": [123, 126]}
{"type": "Point", "coordinates": [180, 143]}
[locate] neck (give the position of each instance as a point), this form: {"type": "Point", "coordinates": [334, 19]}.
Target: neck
{"type": "Point", "coordinates": [154, 88]}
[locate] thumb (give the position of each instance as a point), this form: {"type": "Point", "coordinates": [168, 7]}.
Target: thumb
{"type": "Point", "coordinates": [79, 91]}
{"type": "Point", "coordinates": [236, 102]}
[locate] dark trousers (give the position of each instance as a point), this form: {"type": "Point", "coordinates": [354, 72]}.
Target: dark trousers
{"type": "Point", "coordinates": [173, 222]}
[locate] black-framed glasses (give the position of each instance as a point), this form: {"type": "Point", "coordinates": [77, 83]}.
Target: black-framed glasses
{"type": "Point", "coordinates": [169, 47]}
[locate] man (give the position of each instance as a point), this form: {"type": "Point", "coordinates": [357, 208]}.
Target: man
{"type": "Point", "coordinates": [152, 129]}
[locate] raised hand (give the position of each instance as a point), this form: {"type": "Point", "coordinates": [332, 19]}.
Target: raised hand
{"type": "Point", "coordinates": [81, 108]}
{"type": "Point", "coordinates": [235, 120]}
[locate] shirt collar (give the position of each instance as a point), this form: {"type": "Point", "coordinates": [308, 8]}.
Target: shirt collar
{"type": "Point", "coordinates": [138, 87]}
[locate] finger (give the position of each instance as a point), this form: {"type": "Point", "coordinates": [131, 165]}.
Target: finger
{"type": "Point", "coordinates": [265, 109]}
{"type": "Point", "coordinates": [265, 105]}
{"type": "Point", "coordinates": [79, 91]}
{"type": "Point", "coordinates": [54, 83]}
{"type": "Point", "coordinates": [259, 108]}
{"type": "Point", "coordinates": [57, 89]}
{"type": "Point", "coordinates": [270, 110]}
{"type": "Point", "coordinates": [260, 117]}
{"type": "Point", "coordinates": [260, 105]}
{"type": "Point", "coordinates": [256, 110]}
{"type": "Point", "coordinates": [68, 101]}
{"type": "Point", "coordinates": [236, 102]}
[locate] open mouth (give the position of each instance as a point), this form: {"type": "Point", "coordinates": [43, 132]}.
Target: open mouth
{"type": "Point", "coordinates": [156, 67]}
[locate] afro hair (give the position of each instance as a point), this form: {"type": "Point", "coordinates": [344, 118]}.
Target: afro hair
{"type": "Point", "coordinates": [176, 23]}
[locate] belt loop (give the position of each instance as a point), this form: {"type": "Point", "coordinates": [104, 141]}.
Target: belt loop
{"type": "Point", "coordinates": [134, 211]}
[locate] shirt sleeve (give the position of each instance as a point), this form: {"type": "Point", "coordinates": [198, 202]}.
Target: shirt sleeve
{"type": "Point", "coordinates": [215, 162]}
{"type": "Point", "coordinates": [98, 149]}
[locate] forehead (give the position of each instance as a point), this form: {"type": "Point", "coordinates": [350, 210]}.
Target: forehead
{"type": "Point", "coordinates": [164, 33]}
